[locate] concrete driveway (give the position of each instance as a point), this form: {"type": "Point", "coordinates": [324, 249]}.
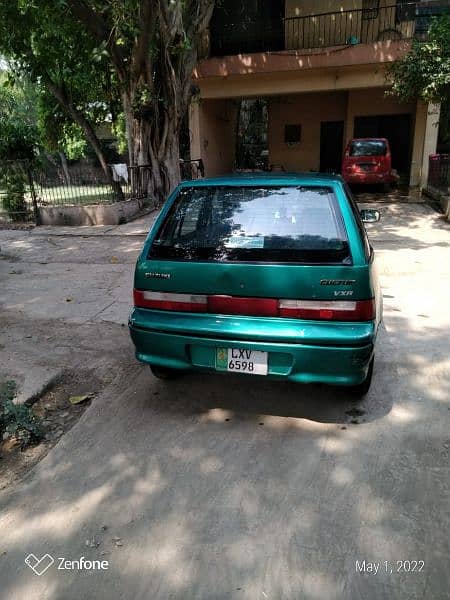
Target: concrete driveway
{"type": "Point", "coordinates": [223, 487]}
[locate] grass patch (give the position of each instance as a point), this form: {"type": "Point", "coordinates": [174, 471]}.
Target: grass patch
{"type": "Point", "coordinates": [17, 420]}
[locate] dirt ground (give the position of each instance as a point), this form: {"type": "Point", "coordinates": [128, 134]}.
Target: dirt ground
{"type": "Point", "coordinates": [224, 486]}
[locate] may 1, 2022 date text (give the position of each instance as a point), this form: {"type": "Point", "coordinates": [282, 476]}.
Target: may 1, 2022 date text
{"type": "Point", "coordinates": [389, 566]}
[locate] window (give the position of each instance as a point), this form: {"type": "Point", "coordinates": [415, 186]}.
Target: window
{"type": "Point", "coordinates": [292, 134]}
{"type": "Point", "coordinates": [240, 223]}
{"type": "Point", "coordinates": [359, 223]}
{"type": "Point", "coordinates": [368, 148]}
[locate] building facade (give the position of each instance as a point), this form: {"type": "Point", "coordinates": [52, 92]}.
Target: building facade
{"type": "Point", "coordinates": [286, 84]}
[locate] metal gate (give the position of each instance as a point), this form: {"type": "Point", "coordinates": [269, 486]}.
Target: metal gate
{"type": "Point", "coordinates": [17, 197]}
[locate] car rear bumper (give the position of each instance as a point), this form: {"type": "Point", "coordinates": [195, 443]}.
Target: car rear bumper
{"type": "Point", "coordinates": [306, 352]}
{"type": "Point", "coordinates": [370, 178]}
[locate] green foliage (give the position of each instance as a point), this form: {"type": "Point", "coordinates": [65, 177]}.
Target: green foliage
{"type": "Point", "coordinates": [18, 131]}
{"type": "Point", "coordinates": [424, 72]}
{"type": "Point", "coordinates": [43, 40]}
{"type": "Point", "coordinates": [57, 132]}
{"type": "Point", "coordinates": [12, 180]}
{"type": "Point", "coordinates": [17, 420]}
{"type": "Point", "coordinates": [131, 56]}
{"type": "Point", "coordinates": [74, 144]}
{"type": "Point", "coordinates": [119, 131]}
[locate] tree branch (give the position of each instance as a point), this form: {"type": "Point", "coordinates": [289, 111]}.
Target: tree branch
{"type": "Point", "coordinates": [141, 47]}
{"type": "Point", "coordinates": [98, 28]}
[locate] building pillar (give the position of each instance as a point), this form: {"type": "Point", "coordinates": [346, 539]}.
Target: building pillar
{"type": "Point", "coordinates": [349, 120]}
{"type": "Point", "coordinates": [431, 137]}
{"type": "Point", "coordinates": [425, 140]}
{"type": "Point", "coordinates": [194, 131]}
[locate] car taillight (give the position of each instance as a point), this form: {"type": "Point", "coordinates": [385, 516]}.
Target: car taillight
{"type": "Point", "coordinates": [319, 310]}
{"type": "Point", "coordinates": [235, 305]}
{"type": "Point", "coordinates": [333, 310]}
{"type": "Point", "coordinates": [167, 301]}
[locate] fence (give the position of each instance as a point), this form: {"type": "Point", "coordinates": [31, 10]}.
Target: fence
{"type": "Point", "coordinates": [439, 172]}
{"type": "Point", "coordinates": [24, 186]}
{"type": "Point", "coordinates": [55, 186]}
{"type": "Point", "coordinates": [192, 169]}
{"type": "Point", "coordinates": [361, 26]}
{"type": "Point", "coordinates": [376, 21]}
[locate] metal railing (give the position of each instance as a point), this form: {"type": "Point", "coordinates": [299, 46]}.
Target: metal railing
{"type": "Point", "coordinates": [374, 23]}
{"type": "Point", "coordinates": [439, 172]}
{"type": "Point", "coordinates": [79, 185]}
{"type": "Point", "coordinates": [192, 169]}
{"type": "Point", "coordinates": [26, 185]}
{"type": "Point", "coordinates": [351, 27]}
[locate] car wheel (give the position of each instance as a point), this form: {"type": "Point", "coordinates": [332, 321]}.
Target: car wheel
{"type": "Point", "coordinates": [362, 388]}
{"type": "Point", "coordinates": [165, 372]}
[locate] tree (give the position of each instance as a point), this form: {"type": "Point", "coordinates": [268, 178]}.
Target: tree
{"type": "Point", "coordinates": [424, 72]}
{"type": "Point", "coordinates": [152, 46]}
{"type": "Point", "coordinates": [18, 130]}
{"type": "Point", "coordinates": [43, 41]}
{"type": "Point", "coordinates": [18, 141]}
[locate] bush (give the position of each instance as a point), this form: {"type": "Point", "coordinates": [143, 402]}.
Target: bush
{"type": "Point", "coordinates": [12, 180]}
{"type": "Point", "coordinates": [17, 420]}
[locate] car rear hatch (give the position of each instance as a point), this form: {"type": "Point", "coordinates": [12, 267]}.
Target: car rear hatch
{"type": "Point", "coordinates": [367, 156]}
{"type": "Point", "coordinates": [236, 261]}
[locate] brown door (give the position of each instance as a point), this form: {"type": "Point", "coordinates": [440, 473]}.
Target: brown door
{"type": "Point", "coordinates": [331, 141]}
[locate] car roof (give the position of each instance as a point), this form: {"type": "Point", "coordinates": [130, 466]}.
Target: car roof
{"type": "Point", "coordinates": [265, 178]}
{"type": "Point", "coordinates": [369, 139]}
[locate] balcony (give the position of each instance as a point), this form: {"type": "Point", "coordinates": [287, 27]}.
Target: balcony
{"type": "Point", "coordinates": [375, 23]}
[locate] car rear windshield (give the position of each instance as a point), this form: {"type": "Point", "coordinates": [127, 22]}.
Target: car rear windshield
{"type": "Point", "coordinates": [368, 148]}
{"type": "Point", "coordinates": [270, 224]}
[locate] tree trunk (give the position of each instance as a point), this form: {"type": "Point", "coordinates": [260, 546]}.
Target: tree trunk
{"type": "Point", "coordinates": [65, 167]}
{"type": "Point", "coordinates": [154, 72]}
{"type": "Point", "coordinates": [154, 143]}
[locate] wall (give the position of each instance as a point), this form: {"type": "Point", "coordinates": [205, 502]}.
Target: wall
{"type": "Point", "coordinates": [96, 214]}
{"type": "Point", "coordinates": [308, 110]}
{"type": "Point", "coordinates": [425, 141]}
{"type": "Point", "coordinates": [275, 80]}
{"type": "Point", "coordinates": [213, 128]}
{"type": "Point", "coordinates": [373, 101]}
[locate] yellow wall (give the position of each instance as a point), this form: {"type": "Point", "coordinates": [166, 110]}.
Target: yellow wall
{"type": "Point", "coordinates": [373, 101]}
{"type": "Point", "coordinates": [308, 110]}
{"type": "Point", "coordinates": [213, 127]}
{"type": "Point", "coordinates": [311, 80]}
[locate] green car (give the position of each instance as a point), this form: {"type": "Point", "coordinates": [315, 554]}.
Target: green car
{"type": "Point", "coordinates": [269, 275]}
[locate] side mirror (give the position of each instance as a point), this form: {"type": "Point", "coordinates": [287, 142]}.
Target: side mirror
{"type": "Point", "coordinates": [369, 215]}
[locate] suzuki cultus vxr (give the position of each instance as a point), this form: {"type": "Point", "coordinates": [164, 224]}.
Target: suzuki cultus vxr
{"type": "Point", "coordinates": [264, 275]}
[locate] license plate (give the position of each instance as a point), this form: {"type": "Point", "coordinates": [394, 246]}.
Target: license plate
{"type": "Point", "coordinates": [241, 360]}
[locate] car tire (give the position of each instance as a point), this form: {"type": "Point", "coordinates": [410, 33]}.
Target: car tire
{"type": "Point", "coordinates": [362, 388]}
{"type": "Point", "coordinates": [165, 372]}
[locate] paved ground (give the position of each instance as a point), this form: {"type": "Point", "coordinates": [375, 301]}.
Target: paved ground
{"type": "Point", "coordinates": [224, 487]}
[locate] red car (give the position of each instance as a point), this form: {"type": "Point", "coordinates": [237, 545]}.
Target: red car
{"type": "Point", "coordinates": [368, 161]}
